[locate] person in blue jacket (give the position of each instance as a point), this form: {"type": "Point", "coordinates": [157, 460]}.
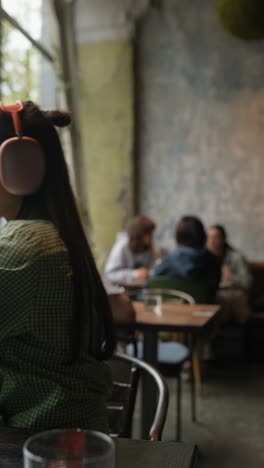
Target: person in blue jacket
{"type": "Point", "coordinates": [191, 259]}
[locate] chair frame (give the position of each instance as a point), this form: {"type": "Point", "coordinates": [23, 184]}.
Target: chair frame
{"type": "Point", "coordinates": [201, 292]}
{"type": "Point", "coordinates": [195, 369]}
{"type": "Point", "coordinates": [163, 292]}
{"type": "Point", "coordinates": [138, 368]}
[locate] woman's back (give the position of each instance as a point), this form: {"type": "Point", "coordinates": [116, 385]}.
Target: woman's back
{"type": "Point", "coordinates": [40, 386]}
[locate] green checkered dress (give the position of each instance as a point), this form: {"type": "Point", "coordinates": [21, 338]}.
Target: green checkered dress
{"type": "Point", "coordinates": [38, 389]}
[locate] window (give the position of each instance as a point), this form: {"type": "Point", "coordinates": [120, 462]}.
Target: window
{"type": "Point", "coordinates": [27, 66]}
{"type": "Point", "coordinates": [27, 13]}
{"type": "Point", "coordinates": [27, 70]}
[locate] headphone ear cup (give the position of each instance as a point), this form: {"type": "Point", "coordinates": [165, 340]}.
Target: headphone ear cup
{"type": "Point", "coordinates": [22, 165]}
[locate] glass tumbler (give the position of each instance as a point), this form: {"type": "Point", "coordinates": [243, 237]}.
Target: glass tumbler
{"type": "Point", "coordinates": [153, 303]}
{"type": "Point", "coordinates": [69, 449]}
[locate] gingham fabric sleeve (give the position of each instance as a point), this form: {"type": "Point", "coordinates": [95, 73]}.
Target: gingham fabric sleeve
{"type": "Point", "coordinates": [17, 284]}
{"type": "Point", "coordinates": [40, 386]}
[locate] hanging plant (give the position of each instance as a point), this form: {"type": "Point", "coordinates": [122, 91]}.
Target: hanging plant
{"type": "Point", "coordinates": [242, 18]}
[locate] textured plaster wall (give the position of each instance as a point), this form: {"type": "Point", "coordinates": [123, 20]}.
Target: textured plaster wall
{"type": "Point", "coordinates": [202, 124]}
{"type": "Point", "coordinates": [107, 128]}
{"type": "Point", "coordinates": [99, 20]}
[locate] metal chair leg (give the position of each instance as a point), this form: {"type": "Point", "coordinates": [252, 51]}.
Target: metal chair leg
{"type": "Point", "coordinates": [193, 396]}
{"type": "Point", "coordinates": [196, 365]}
{"type": "Point", "coordinates": [178, 408]}
{"type": "Point", "coordinates": [135, 348]}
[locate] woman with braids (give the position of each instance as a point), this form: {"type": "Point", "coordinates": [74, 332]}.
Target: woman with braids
{"type": "Point", "coordinates": [55, 321]}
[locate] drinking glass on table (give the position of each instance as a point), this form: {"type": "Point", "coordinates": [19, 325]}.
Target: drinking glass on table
{"type": "Point", "coordinates": [61, 448]}
{"type": "Point", "coordinates": [153, 303]}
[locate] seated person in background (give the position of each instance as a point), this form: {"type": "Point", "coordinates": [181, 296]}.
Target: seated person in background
{"type": "Point", "coordinates": [236, 278]}
{"type": "Point", "coordinates": [191, 259]}
{"type": "Point", "coordinates": [122, 307]}
{"type": "Point", "coordinates": [123, 312]}
{"type": "Point", "coordinates": [133, 253]}
{"type": "Point", "coordinates": [235, 271]}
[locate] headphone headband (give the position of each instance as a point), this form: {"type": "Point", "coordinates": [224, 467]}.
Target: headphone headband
{"type": "Point", "coordinates": [14, 110]}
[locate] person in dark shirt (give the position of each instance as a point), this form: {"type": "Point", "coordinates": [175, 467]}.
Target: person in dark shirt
{"type": "Point", "coordinates": [236, 279]}
{"type": "Point", "coordinates": [191, 259]}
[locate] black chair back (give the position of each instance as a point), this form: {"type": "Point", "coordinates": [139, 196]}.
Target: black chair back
{"type": "Point", "coordinates": [127, 372]}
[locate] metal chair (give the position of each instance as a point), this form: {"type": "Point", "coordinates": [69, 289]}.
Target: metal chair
{"type": "Point", "coordinates": [202, 293]}
{"type": "Point", "coordinates": [127, 372]}
{"type": "Point", "coordinates": [199, 290]}
{"type": "Point", "coordinates": [167, 294]}
{"type": "Point", "coordinates": [171, 354]}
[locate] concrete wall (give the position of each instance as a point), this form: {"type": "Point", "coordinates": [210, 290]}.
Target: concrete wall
{"type": "Point", "coordinates": [107, 122]}
{"type": "Point", "coordinates": [202, 124]}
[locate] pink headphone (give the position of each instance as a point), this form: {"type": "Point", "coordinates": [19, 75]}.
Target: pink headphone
{"type": "Point", "coordinates": [22, 160]}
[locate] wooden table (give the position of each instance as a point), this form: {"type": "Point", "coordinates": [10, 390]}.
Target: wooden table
{"type": "Point", "coordinates": [129, 453]}
{"type": "Point", "coordinates": [189, 318]}
{"type": "Point", "coordinates": [193, 319]}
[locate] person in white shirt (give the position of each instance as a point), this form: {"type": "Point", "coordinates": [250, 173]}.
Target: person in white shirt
{"type": "Point", "coordinates": [133, 254]}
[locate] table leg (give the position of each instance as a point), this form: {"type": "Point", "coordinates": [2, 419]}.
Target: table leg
{"type": "Point", "coordinates": [148, 386]}
{"type": "Point", "coordinates": [195, 375]}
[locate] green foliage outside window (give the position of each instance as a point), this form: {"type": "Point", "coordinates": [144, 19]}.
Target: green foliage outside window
{"type": "Point", "coordinates": [20, 60]}
{"type": "Point", "coordinates": [20, 79]}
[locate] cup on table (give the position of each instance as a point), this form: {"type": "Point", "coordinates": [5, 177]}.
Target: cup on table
{"type": "Point", "coordinates": [74, 448]}
{"type": "Point", "coordinates": [153, 303]}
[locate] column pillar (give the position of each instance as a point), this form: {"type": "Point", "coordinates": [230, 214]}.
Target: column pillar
{"type": "Point", "coordinates": [104, 30]}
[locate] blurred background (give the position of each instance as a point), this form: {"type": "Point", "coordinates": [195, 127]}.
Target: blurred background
{"type": "Point", "coordinates": [168, 109]}
{"type": "Point", "coordinates": [167, 104]}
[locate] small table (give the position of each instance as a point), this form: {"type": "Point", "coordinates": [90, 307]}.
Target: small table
{"type": "Point", "coordinates": [193, 319]}
{"type": "Point", "coordinates": [129, 453]}
{"type": "Point", "coordinates": [146, 454]}
{"type": "Point", "coordinates": [189, 318]}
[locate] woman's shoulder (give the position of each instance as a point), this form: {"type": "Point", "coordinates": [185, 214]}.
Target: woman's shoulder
{"type": "Point", "coordinates": [232, 255]}
{"type": "Point", "coordinates": [32, 237]}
